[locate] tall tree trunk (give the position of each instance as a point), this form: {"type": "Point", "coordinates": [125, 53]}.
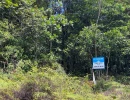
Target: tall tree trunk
{"type": "Point", "coordinates": [63, 45]}
{"type": "Point", "coordinates": [108, 57]}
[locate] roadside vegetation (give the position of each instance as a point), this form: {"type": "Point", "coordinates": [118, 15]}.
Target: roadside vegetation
{"type": "Point", "coordinates": [51, 83]}
{"type": "Point", "coordinates": [47, 47]}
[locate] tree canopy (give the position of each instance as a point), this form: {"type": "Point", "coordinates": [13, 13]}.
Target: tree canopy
{"type": "Point", "coordinates": [70, 32]}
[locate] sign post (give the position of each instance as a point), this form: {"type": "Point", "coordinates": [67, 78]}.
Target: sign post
{"type": "Point", "coordinates": [98, 63]}
{"type": "Point", "coordinates": [94, 81]}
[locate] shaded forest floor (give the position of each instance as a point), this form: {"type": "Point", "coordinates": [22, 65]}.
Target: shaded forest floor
{"type": "Point", "coordinates": [51, 83]}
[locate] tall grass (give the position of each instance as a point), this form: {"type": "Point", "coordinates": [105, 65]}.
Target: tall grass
{"type": "Point", "coordinates": [47, 83]}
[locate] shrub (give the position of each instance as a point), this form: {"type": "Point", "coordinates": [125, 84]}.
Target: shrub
{"type": "Point", "coordinates": [26, 92]}
{"type": "Point", "coordinates": [123, 79]}
{"type": "Point", "coordinates": [45, 83]}
{"type": "Point", "coordinates": [25, 65]}
{"type": "Point", "coordinates": [101, 85]}
{"type": "Point", "coordinates": [5, 96]}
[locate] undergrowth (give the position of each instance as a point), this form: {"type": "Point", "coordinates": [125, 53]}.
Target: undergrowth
{"type": "Point", "coordinates": [50, 83]}
{"type": "Point", "coordinates": [117, 90]}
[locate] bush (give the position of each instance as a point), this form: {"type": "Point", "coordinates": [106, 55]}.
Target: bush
{"type": "Point", "coordinates": [25, 65]}
{"type": "Point", "coordinates": [5, 96]}
{"type": "Point", "coordinates": [101, 85]}
{"type": "Point", "coordinates": [26, 92]}
{"type": "Point", "coordinates": [45, 83]}
{"type": "Point", "coordinates": [38, 88]}
{"type": "Point", "coordinates": [123, 79]}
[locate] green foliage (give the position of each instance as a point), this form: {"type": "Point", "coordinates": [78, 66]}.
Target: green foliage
{"type": "Point", "coordinates": [31, 35]}
{"type": "Point", "coordinates": [25, 65]}
{"type": "Point", "coordinates": [101, 85]}
{"type": "Point", "coordinates": [30, 30]}
{"type": "Point", "coordinates": [45, 83]}
{"type": "Point", "coordinates": [51, 83]}
{"type": "Point", "coordinates": [123, 79]}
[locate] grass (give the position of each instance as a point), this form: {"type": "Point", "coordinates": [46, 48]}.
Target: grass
{"type": "Point", "coordinates": [51, 83]}
{"type": "Point", "coordinates": [114, 89]}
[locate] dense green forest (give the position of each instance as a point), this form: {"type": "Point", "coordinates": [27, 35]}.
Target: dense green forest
{"type": "Point", "coordinates": [38, 36]}
{"type": "Point", "coordinates": [68, 32]}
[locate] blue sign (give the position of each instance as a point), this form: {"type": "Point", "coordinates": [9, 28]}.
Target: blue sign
{"type": "Point", "coordinates": [98, 63]}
